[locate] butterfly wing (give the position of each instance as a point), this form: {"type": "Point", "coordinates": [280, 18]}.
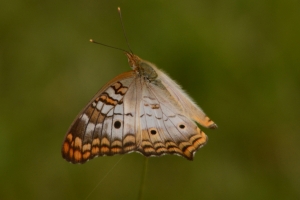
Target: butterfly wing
{"type": "Point", "coordinates": [165, 130]}
{"type": "Point", "coordinates": [106, 126]}
{"type": "Point", "coordinates": [186, 103]}
{"type": "Point", "coordinates": [141, 110]}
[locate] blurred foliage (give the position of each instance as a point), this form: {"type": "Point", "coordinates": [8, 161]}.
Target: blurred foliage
{"type": "Point", "coordinates": [238, 59]}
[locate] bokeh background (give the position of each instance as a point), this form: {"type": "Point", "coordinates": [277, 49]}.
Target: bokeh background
{"type": "Point", "coordinates": [239, 60]}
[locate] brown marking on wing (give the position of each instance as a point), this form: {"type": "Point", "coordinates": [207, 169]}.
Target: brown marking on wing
{"type": "Point", "coordinates": [119, 88]}
{"type": "Point", "coordinates": [107, 100]}
{"type": "Point", "coordinates": [155, 106]}
{"type": "Point", "coordinates": [206, 122]}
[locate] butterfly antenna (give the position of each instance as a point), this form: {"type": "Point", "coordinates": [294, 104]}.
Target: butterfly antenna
{"type": "Point", "coordinates": [93, 41]}
{"type": "Point", "coordinates": [119, 10]}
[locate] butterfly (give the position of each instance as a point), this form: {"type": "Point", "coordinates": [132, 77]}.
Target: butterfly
{"type": "Point", "coordinates": [142, 110]}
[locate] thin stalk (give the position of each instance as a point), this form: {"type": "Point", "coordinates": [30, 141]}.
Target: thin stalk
{"type": "Point", "coordinates": [142, 186]}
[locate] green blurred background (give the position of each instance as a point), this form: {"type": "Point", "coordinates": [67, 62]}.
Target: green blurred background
{"type": "Point", "coordinates": [239, 60]}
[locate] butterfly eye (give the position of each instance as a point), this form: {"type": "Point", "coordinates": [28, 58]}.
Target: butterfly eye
{"type": "Point", "coordinates": [117, 124]}
{"type": "Point", "coordinates": [181, 126]}
{"type": "Point", "coordinates": [153, 131]}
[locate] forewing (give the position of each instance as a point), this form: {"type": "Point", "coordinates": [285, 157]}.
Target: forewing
{"type": "Point", "coordinates": [105, 126]}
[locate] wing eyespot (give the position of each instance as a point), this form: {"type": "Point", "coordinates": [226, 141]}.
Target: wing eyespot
{"type": "Point", "coordinates": [181, 126]}
{"type": "Point", "coordinates": [153, 131]}
{"type": "Point", "coordinates": [117, 124]}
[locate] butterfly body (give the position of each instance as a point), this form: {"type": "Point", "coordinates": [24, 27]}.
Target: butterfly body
{"type": "Point", "coordinates": [142, 110]}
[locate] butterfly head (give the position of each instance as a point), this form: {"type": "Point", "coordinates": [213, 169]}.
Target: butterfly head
{"type": "Point", "coordinates": [142, 67]}
{"type": "Point", "coordinates": [133, 60]}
